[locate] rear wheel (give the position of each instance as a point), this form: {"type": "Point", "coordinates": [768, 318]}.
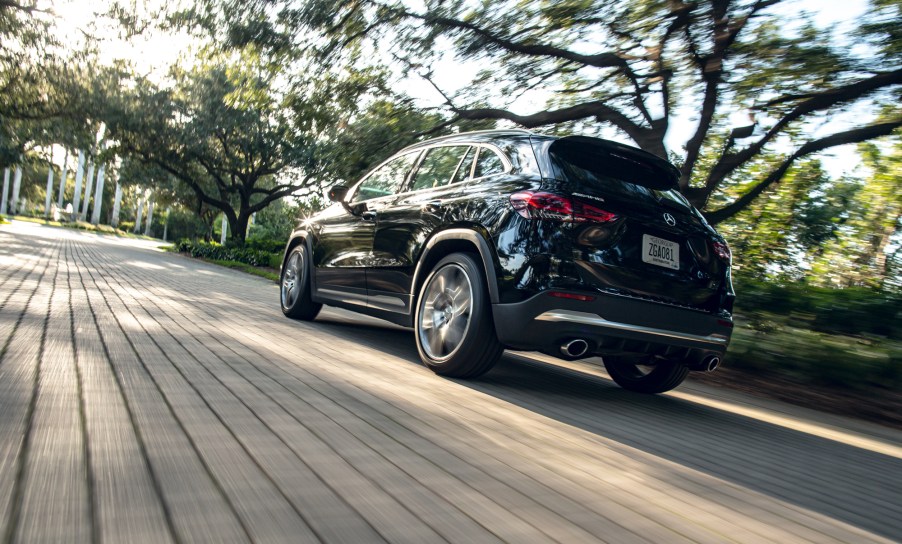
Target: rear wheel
{"type": "Point", "coordinates": [455, 333]}
{"type": "Point", "coordinates": [636, 374]}
{"type": "Point", "coordinates": [295, 286]}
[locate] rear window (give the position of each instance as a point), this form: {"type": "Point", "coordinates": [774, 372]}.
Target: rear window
{"type": "Point", "coordinates": [617, 174]}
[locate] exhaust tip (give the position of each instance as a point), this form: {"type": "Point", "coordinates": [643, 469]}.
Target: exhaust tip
{"type": "Point", "coordinates": [575, 348]}
{"type": "Point", "coordinates": [711, 363]}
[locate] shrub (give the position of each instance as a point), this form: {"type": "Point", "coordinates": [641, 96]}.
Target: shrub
{"type": "Point", "coordinates": [854, 310]}
{"type": "Point", "coordinates": [217, 252]}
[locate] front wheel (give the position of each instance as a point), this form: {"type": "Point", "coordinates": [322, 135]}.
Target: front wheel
{"type": "Point", "coordinates": [455, 333]}
{"type": "Point", "coordinates": [295, 286]}
{"type": "Point", "coordinates": [633, 374]}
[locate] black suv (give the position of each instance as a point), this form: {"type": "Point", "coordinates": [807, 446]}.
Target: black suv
{"type": "Point", "coordinates": [482, 241]}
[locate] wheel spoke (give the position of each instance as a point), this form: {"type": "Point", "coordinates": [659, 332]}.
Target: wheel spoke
{"type": "Point", "coordinates": [436, 342]}
{"type": "Point", "coordinates": [454, 333]}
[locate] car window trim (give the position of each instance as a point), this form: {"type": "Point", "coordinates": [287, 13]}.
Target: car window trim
{"type": "Point", "coordinates": [405, 183]}
{"type": "Point", "coordinates": [508, 165]}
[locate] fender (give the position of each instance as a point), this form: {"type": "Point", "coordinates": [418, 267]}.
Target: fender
{"type": "Point", "coordinates": [304, 238]}
{"type": "Point", "coordinates": [472, 236]}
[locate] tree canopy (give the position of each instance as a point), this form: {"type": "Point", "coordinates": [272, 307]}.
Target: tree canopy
{"type": "Point", "coordinates": [642, 67]}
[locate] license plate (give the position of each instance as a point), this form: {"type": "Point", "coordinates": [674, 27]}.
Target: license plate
{"type": "Point", "coordinates": [660, 252]}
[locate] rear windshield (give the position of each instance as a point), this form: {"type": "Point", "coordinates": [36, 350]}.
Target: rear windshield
{"type": "Point", "coordinates": [615, 174]}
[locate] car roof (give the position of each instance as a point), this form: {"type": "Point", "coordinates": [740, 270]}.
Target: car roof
{"type": "Point", "coordinates": [475, 136]}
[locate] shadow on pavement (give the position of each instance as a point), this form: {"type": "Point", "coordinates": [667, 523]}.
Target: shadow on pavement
{"type": "Point", "coordinates": [850, 484]}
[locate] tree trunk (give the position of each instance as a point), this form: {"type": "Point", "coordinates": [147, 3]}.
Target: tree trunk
{"type": "Point", "coordinates": [225, 229]}
{"type": "Point", "coordinates": [238, 226]}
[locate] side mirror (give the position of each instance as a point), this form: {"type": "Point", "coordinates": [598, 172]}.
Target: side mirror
{"type": "Point", "coordinates": [338, 193]}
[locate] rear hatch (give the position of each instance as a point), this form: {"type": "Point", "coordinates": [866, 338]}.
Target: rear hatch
{"type": "Point", "coordinates": [655, 245]}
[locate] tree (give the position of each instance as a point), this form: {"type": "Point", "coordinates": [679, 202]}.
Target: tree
{"type": "Point", "coordinates": [233, 129]}
{"type": "Point", "coordinates": [638, 66]}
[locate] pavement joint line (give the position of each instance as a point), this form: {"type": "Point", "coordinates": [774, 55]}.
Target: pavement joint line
{"type": "Point", "coordinates": [526, 426]}
{"type": "Point", "coordinates": [401, 468]}
{"type": "Point", "coordinates": [22, 459]}
{"type": "Point", "coordinates": [218, 415]}
{"type": "Point", "coordinates": [295, 378]}
{"type": "Point", "coordinates": [167, 511]}
{"type": "Point", "coordinates": [220, 487]}
{"type": "Point", "coordinates": [315, 433]}
{"type": "Point", "coordinates": [83, 419]}
{"type": "Point", "coordinates": [262, 355]}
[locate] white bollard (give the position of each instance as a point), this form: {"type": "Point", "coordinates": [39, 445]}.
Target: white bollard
{"type": "Point", "coordinates": [98, 196]}
{"type": "Point", "coordinates": [5, 191]}
{"type": "Point", "coordinates": [49, 195]}
{"type": "Point", "coordinates": [17, 184]}
{"type": "Point", "coordinates": [147, 231]}
{"type": "Point", "coordinates": [79, 174]}
{"type": "Point", "coordinates": [89, 184]}
{"type": "Point", "coordinates": [140, 215]}
{"type": "Point", "coordinates": [114, 221]}
{"type": "Point", "coordinates": [63, 173]}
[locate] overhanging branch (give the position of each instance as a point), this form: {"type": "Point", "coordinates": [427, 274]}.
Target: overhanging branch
{"type": "Point", "coordinates": [852, 136]}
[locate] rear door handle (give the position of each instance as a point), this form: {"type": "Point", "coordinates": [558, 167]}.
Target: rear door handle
{"type": "Point", "coordinates": [369, 215]}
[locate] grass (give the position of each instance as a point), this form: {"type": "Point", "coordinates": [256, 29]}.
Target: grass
{"type": "Point", "coordinates": [83, 225]}
{"type": "Point", "coordinates": [267, 273]}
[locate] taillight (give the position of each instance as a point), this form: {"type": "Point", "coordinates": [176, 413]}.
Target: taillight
{"type": "Point", "coordinates": [722, 250]}
{"type": "Point", "coordinates": [539, 205]}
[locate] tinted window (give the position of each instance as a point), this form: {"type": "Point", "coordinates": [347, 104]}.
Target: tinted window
{"type": "Point", "coordinates": [463, 172]}
{"type": "Point", "coordinates": [623, 177]}
{"type": "Point", "coordinates": [438, 167]}
{"type": "Point", "coordinates": [387, 179]}
{"type": "Point", "coordinates": [488, 163]}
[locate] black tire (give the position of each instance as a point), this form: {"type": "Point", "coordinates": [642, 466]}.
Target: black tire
{"type": "Point", "coordinates": [663, 376]}
{"type": "Point", "coordinates": [453, 338]}
{"type": "Point", "coordinates": [294, 286]}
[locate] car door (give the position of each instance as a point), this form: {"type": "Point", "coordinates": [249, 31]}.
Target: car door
{"type": "Point", "coordinates": [343, 246]}
{"type": "Point", "coordinates": [404, 223]}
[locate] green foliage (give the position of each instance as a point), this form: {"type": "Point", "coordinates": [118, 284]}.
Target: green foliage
{"type": "Point", "coordinates": [810, 357]}
{"type": "Point", "coordinates": [854, 310]}
{"type": "Point", "coordinates": [641, 68]}
{"type": "Point", "coordinates": [217, 252]}
{"type": "Point", "coordinates": [826, 232]}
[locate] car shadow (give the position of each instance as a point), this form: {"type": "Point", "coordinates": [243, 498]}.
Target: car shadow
{"type": "Point", "coordinates": [846, 483]}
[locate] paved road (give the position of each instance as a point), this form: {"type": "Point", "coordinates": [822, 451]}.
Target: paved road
{"type": "Point", "coordinates": [145, 397]}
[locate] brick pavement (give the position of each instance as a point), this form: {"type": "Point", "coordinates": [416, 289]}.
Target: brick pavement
{"type": "Point", "coordinates": [145, 397]}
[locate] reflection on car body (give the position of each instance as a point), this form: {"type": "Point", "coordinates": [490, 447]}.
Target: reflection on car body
{"type": "Point", "coordinates": [488, 240]}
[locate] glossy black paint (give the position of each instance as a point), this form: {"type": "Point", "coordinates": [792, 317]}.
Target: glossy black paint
{"type": "Point", "coordinates": [371, 256]}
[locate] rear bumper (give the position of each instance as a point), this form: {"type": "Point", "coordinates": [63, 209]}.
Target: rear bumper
{"type": "Point", "coordinates": [612, 324]}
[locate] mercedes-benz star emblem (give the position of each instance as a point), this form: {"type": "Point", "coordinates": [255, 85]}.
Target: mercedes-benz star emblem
{"type": "Point", "coordinates": [669, 219]}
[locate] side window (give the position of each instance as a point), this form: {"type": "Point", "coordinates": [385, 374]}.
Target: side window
{"type": "Point", "coordinates": [466, 166]}
{"type": "Point", "coordinates": [488, 163]}
{"type": "Point", "coordinates": [387, 179]}
{"type": "Point", "coordinates": [438, 167]}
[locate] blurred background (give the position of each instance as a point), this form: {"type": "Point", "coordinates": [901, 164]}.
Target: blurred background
{"type": "Point", "coordinates": [219, 124]}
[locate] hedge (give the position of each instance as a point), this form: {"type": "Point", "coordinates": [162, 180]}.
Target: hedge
{"type": "Point", "coordinates": [218, 252]}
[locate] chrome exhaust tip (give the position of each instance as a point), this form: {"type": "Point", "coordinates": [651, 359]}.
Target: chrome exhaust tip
{"type": "Point", "coordinates": [575, 348]}
{"type": "Point", "coordinates": [711, 363]}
